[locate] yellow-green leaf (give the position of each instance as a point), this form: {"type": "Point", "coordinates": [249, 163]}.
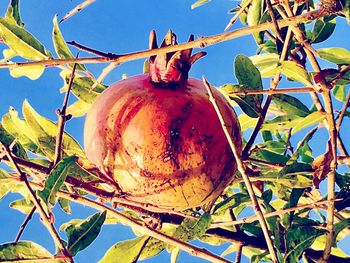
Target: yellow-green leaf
{"type": "Point", "coordinates": [295, 72]}
{"type": "Point", "coordinates": [46, 131]}
{"type": "Point", "coordinates": [199, 3]}
{"type": "Point", "coordinates": [335, 55]}
{"type": "Point", "coordinates": [61, 47]}
{"type": "Point", "coordinates": [21, 41]}
{"type": "Point", "coordinates": [31, 72]}
{"type": "Point", "coordinates": [78, 108]}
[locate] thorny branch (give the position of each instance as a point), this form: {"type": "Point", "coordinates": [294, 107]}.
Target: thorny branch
{"type": "Point", "coordinates": [45, 218]}
{"type": "Point", "coordinates": [242, 170]}
{"type": "Point", "coordinates": [199, 43]}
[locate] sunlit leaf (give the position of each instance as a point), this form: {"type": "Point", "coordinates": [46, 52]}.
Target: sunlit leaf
{"type": "Point", "coordinates": [295, 72]}
{"type": "Point", "coordinates": [125, 251]}
{"type": "Point", "coordinates": [55, 180]}
{"type": "Point", "coordinates": [65, 205]}
{"type": "Point", "coordinates": [312, 119]}
{"type": "Point", "coordinates": [199, 3]}
{"type": "Point", "coordinates": [13, 12]}
{"type": "Point", "coordinates": [46, 131]}
{"type": "Point", "coordinates": [265, 60]}
{"type": "Point", "coordinates": [82, 233]}
{"type": "Point", "coordinates": [339, 92]}
{"type": "Point", "coordinates": [22, 205]}
{"type": "Point", "coordinates": [22, 42]}
{"type": "Point", "coordinates": [82, 88]}
{"type": "Point", "coordinates": [78, 108]}
{"type": "Point", "coordinates": [335, 55]}
{"type": "Point", "coordinates": [253, 18]}
{"type": "Point", "coordinates": [61, 47]}
{"type": "Point", "coordinates": [24, 251]}
{"type": "Point", "coordinates": [31, 72]}
{"type": "Point", "coordinates": [7, 139]}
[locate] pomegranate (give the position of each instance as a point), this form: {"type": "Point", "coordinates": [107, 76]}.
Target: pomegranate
{"type": "Point", "coordinates": [158, 136]}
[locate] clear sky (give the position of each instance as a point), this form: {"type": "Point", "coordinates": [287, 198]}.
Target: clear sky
{"type": "Point", "coordinates": [119, 27]}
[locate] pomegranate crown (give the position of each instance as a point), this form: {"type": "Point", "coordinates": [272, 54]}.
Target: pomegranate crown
{"type": "Point", "coordinates": [172, 67]}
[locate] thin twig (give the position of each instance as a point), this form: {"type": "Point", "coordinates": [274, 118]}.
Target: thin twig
{"type": "Point", "coordinates": [272, 91]}
{"type": "Point", "coordinates": [236, 16]}
{"type": "Point", "coordinates": [331, 130]}
{"type": "Point", "coordinates": [271, 214]}
{"type": "Point", "coordinates": [239, 254]}
{"type": "Point", "coordinates": [91, 50]}
{"type": "Point", "coordinates": [274, 20]}
{"type": "Point", "coordinates": [199, 43]}
{"type": "Point", "coordinates": [45, 218]}
{"type": "Point", "coordinates": [24, 224]}
{"type": "Point", "coordinates": [245, 176]}
{"type": "Point", "coordinates": [77, 9]}
{"type": "Point", "coordinates": [343, 111]}
{"type": "Point", "coordinates": [62, 119]}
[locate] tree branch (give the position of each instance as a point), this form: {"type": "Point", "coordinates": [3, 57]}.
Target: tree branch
{"type": "Point", "coordinates": [244, 174]}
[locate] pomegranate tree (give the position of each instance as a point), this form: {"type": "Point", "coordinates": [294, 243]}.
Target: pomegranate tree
{"type": "Point", "coordinates": [158, 136]}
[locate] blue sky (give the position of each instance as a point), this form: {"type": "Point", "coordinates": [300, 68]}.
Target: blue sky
{"type": "Point", "coordinates": [119, 27]}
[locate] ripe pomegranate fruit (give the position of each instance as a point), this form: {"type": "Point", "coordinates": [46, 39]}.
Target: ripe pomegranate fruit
{"type": "Point", "coordinates": [158, 135]}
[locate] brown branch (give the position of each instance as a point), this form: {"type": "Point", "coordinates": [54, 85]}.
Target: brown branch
{"type": "Point", "coordinates": [45, 218]}
{"type": "Point", "coordinates": [274, 20]}
{"type": "Point", "coordinates": [331, 130]}
{"type": "Point", "coordinates": [77, 9]}
{"type": "Point", "coordinates": [244, 174]}
{"type": "Point", "coordinates": [271, 214]}
{"type": "Point", "coordinates": [199, 43]}
{"type": "Point", "coordinates": [62, 119]}
{"type": "Point", "coordinates": [236, 16]}
{"type": "Point", "coordinates": [272, 91]}
{"type": "Point", "coordinates": [91, 50]}
{"type": "Point", "coordinates": [24, 224]}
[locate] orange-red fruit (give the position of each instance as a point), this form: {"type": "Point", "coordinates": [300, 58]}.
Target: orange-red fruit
{"type": "Point", "coordinates": [163, 145]}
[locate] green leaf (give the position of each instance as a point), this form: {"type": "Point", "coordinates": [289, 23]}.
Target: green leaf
{"type": "Point", "coordinates": [82, 233]}
{"type": "Point", "coordinates": [13, 12]}
{"type": "Point", "coordinates": [295, 72]}
{"type": "Point", "coordinates": [22, 205]}
{"type": "Point", "coordinates": [31, 72]}
{"type": "Point", "coordinates": [126, 251]}
{"type": "Point", "coordinates": [24, 251]}
{"type": "Point", "coordinates": [82, 88]}
{"type": "Point", "coordinates": [7, 139]}
{"type": "Point", "coordinates": [22, 42]}
{"type": "Point", "coordinates": [199, 3]}
{"type": "Point", "coordinates": [290, 105]}
{"type": "Point", "coordinates": [296, 180]}
{"type": "Point", "coordinates": [339, 92]}
{"type": "Point", "coordinates": [322, 30]}
{"type": "Point", "coordinates": [254, 16]}
{"type": "Point", "coordinates": [335, 55]}
{"type": "Point", "coordinates": [65, 205]}
{"type": "Point", "coordinates": [299, 238]}
{"type": "Point", "coordinates": [265, 60]}
{"type": "Point", "coordinates": [78, 108]}
{"type": "Point", "coordinates": [45, 132]}
{"type": "Point", "coordinates": [340, 226]}
{"type": "Point", "coordinates": [246, 103]}
{"type": "Point", "coordinates": [270, 156]}
{"type": "Point", "coordinates": [231, 202]}
{"type": "Point", "coordinates": [7, 184]}
{"type": "Point", "coordinates": [303, 148]}
{"type": "Point", "coordinates": [313, 118]}
{"type": "Point", "coordinates": [344, 194]}
{"type": "Point", "coordinates": [61, 47]}
{"type": "Point", "coordinates": [55, 180]}
{"type": "Point", "coordinates": [191, 228]}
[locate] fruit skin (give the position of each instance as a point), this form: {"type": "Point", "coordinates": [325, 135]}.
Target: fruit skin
{"type": "Point", "coordinates": [163, 146]}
